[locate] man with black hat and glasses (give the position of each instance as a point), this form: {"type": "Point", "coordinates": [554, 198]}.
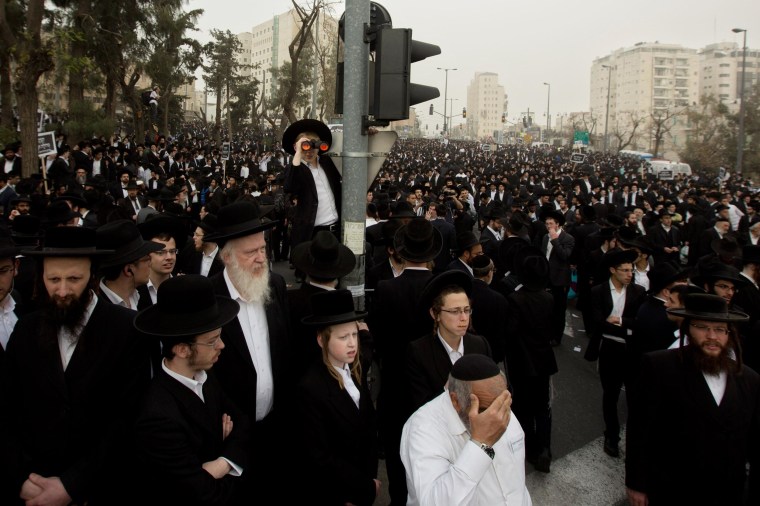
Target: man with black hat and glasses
{"type": "Point", "coordinates": [68, 430]}
{"type": "Point", "coordinates": [557, 245]}
{"type": "Point", "coordinates": [466, 446]}
{"type": "Point", "coordinates": [190, 439]}
{"type": "Point", "coordinates": [694, 421]}
{"type": "Point", "coordinates": [256, 369]}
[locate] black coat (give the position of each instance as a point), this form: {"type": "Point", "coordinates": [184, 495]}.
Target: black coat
{"type": "Point", "coordinates": [529, 350]}
{"type": "Point", "coordinates": [601, 307]}
{"type": "Point", "coordinates": [682, 447]}
{"type": "Point", "coordinates": [489, 317]}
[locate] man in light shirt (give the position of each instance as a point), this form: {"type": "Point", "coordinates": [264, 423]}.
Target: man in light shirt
{"type": "Point", "coordinates": [8, 304]}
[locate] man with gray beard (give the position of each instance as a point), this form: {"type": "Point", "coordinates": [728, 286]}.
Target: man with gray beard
{"type": "Point", "coordinates": [253, 370]}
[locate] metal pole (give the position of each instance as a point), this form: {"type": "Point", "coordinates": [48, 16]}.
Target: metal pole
{"type": "Point", "coordinates": [548, 98]}
{"type": "Point", "coordinates": [607, 116]}
{"type": "Point", "coordinates": [445, 95]}
{"type": "Point", "coordinates": [740, 139]}
{"type": "Point", "coordinates": [314, 73]}
{"type": "Point", "coordinates": [355, 143]}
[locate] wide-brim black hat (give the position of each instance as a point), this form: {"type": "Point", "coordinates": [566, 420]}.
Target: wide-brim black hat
{"type": "Point", "coordinates": [711, 269]}
{"type": "Point", "coordinates": [663, 274]}
{"type": "Point", "coordinates": [436, 284]}
{"type": "Point", "coordinates": [726, 247]}
{"type": "Point", "coordinates": [627, 236]}
{"type": "Point", "coordinates": [59, 211]}
{"type": "Point", "coordinates": [305, 125]}
{"type": "Point", "coordinates": [323, 257]}
{"type": "Point", "coordinates": [332, 307]}
{"type": "Point", "coordinates": [25, 227]}
{"type": "Point", "coordinates": [123, 237]}
{"type": "Point", "coordinates": [532, 269]}
{"type": "Point", "coordinates": [702, 306]}
{"type": "Point", "coordinates": [208, 224]}
{"type": "Point", "coordinates": [8, 248]}
{"type": "Point", "coordinates": [159, 223]}
{"type": "Point", "coordinates": [555, 215]}
{"type": "Point", "coordinates": [160, 195]}
{"type": "Point", "coordinates": [751, 254]}
{"type": "Point", "coordinates": [615, 257]}
{"type": "Point", "coordinates": [403, 210]}
{"type": "Point", "coordinates": [186, 306]}
{"type": "Point", "coordinates": [239, 219]}
{"type": "Point", "coordinates": [21, 198]}
{"type": "Point", "coordinates": [508, 248]}
{"type": "Point", "coordinates": [418, 241]}
{"type": "Point", "coordinates": [69, 242]}
{"type": "Point", "coordinates": [467, 240]}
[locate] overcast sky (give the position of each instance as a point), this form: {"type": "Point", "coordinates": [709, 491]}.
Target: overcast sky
{"type": "Point", "coordinates": [527, 43]}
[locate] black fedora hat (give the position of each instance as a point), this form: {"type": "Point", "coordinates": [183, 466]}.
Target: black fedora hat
{"type": "Point", "coordinates": [159, 223]}
{"type": "Point", "coordinates": [606, 233]}
{"type": "Point", "coordinates": [305, 125]}
{"type": "Point", "coordinates": [508, 248]}
{"type": "Point", "coordinates": [186, 306]}
{"type": "Point", "coordinates": [615, 257]}
{"type": "Point", "coordinates": [703, 306]}
{"type": "Point", "coordinates": [332, 307]}
{"type": "Point", "coordinates": [98, 182]}
{"type": "Point", "coordinates": [663, 274]}
{"type": "Point", "coordinates": [418, 241]}
{"type": "Point", "coordinates": [727, 247]}
{"type": "Point", "coordinates": [8, 248]}
{"type": "Point", "coordinates": [208, 223]}
{"type": "Point", "coordinates": [124, 238]}
{"type": "Point", "coordinates": [68, 242]}
{"type": "Point", "coordinates": [467, 240]}
{"type": "Point", "coordinates": [751, 254]}
{"type": "Point", "coordinates": [25, 228]}
{"type": "Point", "coordinates": [402, 209]}
{"type": "Point", "coordinates": [533, 271]}
{"type": "Point", "coordinates": [75, 197]}
{"type": "Point", "coordinates": [239, 219]}
{"type": "Point", "coordinates": [160, 195]}
{"type": "Point", "coordinates": [58, 211]}
{"type": "Point", "coordinates": [627, 236]}
{"type": "Point", "coordinates": [436, 284]}
{"type": "Point", "coordinates": [711, 269]}
{"type": "Point", "coordinates": [553, 214]}
{"type": "Point", "coordinates": [21, 198]}
{"type": "Point", "coordinates": [323, 257]}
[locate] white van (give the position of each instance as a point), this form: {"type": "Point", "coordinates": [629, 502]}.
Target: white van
{"type": "Point", "coordinates": [667, 170]}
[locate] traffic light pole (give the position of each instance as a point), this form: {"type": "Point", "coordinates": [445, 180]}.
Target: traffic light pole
{"type": "Point", "coordinates": [355, 142]}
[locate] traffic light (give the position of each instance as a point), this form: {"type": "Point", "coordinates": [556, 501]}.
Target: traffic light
{"type": "Point", "coordinates": [464, 112]}
{"type": "Point", "coordinates": [503, 118]}
{"type": "Point", "coordinates": [431, 109]}
{"type": "Point", "coordinates": [394, 93]}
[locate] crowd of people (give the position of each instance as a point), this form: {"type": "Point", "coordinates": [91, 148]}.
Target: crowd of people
{"type": "Point", "coordinates": [148, 347]}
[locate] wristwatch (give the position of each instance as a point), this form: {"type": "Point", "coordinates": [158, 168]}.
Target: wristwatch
{"type": "Point", "coordinates": [488, 449]}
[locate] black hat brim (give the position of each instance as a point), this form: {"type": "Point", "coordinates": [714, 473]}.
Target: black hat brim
{"type": "Point", "coordinates": [67, 252]}
{"type": "Point", "coordinates": [250, 227]}
{"type": "Point", "coordinates": [302, 258]}
{"type": "Point", "coordinates": [420, 256]}
{"type": "Point", "coordinates": [327, 320]}
{"type": "Point", "coordinates": [441, 281]}
{"type": "Point", "coordinates": [729, 317]}
{"type": "Point", "coordinates": [154, 322]}
{"type": "Point", "coordinates": [305, 125]}
{"type": "Point", "coordinates": [131, 254]}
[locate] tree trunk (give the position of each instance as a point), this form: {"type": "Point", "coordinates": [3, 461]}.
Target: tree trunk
{"type": "Point", "coordinates": [166, 99]}
{"type": "Point", "coordinates": [26, 95]}
{"type": "Point", "coordinates": [6, 97]}
{"type": "Point", "coordinates": [109, 105]}
{"type": "Point", "coordinates": [227, 108]}
{"type": "Point", "coordinates": [218, 119]}
{"type": "Point", "coordinates": [78, 53]}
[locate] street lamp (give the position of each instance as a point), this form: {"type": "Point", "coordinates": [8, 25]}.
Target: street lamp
{"type": "Point", "coordinates": [740, 140]}
{"type": "Point", "coordinates": [607, 116]}
{"type": "Point", "coordinates": [548, 97]}
{"type": "Point", "coordinates": [445, 97]}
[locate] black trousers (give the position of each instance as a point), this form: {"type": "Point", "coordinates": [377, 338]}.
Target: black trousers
{"type": "Point", "coordinates": [531, 403]}
{"type": "Point", "coordinates": [612, 372]}
{"type": "Point", "coordinates": [559, 293]}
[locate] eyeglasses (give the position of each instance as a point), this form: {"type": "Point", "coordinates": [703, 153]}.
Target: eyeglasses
{"type": "Point", "coordinates": [625, 271]}
{"type": "Point", "coordinates": [718, 331]}
{"type": "Point", "coordinates": [6, 270]}
{"type": "Point", "coordinates": [730, 288]}
{"type": "Point", "coordinates": [212, 344]}
{"type": "Point", "coordinates": [165, 252]}
{"type": "Point", "coordinates": [459, 311]}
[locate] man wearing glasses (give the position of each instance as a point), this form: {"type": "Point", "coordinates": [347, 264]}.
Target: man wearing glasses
{"type": "Point", "coordinates": [613, 311]}
{"type": "Point", "coordinates": [695, 418]}
{"type": "Point", "coordinates": [169, 232]}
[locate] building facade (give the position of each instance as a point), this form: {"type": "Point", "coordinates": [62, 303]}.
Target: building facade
{"type": "Point", "coordinates": [486, 102]}
{"type": "Point", "coordinates": [720, 72]}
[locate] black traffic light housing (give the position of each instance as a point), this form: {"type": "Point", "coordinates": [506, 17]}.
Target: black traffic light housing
{"type": "Point", "coordinates": [464, 112]}
{"type": "Point", "coordinates": [503, 118]}
{"type": "Point", "coordinates": [394, 93]}
{"type": "Point", "coordinates": [431, 109]}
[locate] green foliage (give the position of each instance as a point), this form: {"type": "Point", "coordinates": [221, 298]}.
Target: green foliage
{"type": "Point", "coordinates": [88, 123]}
{"type": "Point", "coordinates": [245, 97]}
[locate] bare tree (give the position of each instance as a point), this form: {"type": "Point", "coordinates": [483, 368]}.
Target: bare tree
{"type": "Point", "coordinates": [661, 122]}
{"type": "Point", "coordinates": [625, 131]}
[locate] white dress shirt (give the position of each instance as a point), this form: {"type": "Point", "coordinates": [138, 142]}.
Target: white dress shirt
{"type": "Point", "coordinates": [327, 212]}
{"type": "Point", "coordinates": [8, 320]}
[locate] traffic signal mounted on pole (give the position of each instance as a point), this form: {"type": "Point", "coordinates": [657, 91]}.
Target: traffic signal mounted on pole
{"type": "Point", "coordinates": [431, 109]}
{"type": "Point", "coordinates": [464, 112]}
{"type": "Point", "coordinates": [503, 118]}
{"type": "Point", "coordinates": [394, 93]}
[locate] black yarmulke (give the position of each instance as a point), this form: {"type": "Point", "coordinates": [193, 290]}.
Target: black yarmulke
{"type": "Point", "coordinates": [474, 367]}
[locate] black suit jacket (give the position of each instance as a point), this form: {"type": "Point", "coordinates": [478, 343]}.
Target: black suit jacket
{"type": "Point", "coordinates": [72, 424]}
{"type": "Point", "coordinates": [235, 368]}
{"type": "Point", "coordinates": [601, 307]}
{"type": "Point", "coordinates": [677, 434]}
{"type": "Point", "coordinates": [176, 432]}
{"type": "Point", "coordinates": [196, 260]}
{"type": "Point", "coordinates": [559, 258]}
{"type": "Point", "coordinates": [652, 330]}
{"type": "Point", "coordinates": [338, 440]}
{"type": "Point", "coordinates": [428, 365]}
{"type": "Point", "coordinates": [489, 317]}
{"type": "Point", "coordinates": [300, 183]}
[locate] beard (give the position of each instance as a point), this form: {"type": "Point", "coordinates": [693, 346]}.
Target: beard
{"type": "Point", "coordinates": [253, 287]}
{"type": "Point", "coordinates": [67, 312]}
{"type": "Point", "coordinates": [711, 364]}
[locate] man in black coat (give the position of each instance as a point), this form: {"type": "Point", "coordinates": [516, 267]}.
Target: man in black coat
{"type": "Point", "coordinates": [490, 309]}
{"type": "Point", "coordinates": [255, 370]}
{"type": "Point", "coordinates": [614, 306]}
{"type": "Point", "coordinates": [69, 430]}
{"type": "Point", "coordinates": [748, 298]}
{"type": "Point", "coordinates": [557, 246]}
{"type": "Point", "coordinates": [694, 422]}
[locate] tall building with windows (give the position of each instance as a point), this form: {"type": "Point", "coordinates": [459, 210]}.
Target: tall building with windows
{"type": "Point", "coordinates": [720, 72]}
{"type": "Point", "coordinates": [486, 102]}
{"type": "Point", "coordinates": [645, 84]}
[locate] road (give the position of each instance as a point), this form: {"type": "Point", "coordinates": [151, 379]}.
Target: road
{"type": "Point", "coordinates": [581, 473]}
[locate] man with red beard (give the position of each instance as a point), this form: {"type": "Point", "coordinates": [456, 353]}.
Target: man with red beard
{"type": "Point", "coordinates": [74, 373]}
{"type": "Point", "coordinates": [255, 369]}
{"type": "Point", "coordinates": [695, 419]}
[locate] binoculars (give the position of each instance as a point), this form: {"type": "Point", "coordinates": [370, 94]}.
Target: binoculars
{"type": "Point", "coordinates": [308, 145]}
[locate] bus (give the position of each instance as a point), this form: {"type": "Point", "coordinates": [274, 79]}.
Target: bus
{"type": "Point", "coordinates": [641, 155]}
